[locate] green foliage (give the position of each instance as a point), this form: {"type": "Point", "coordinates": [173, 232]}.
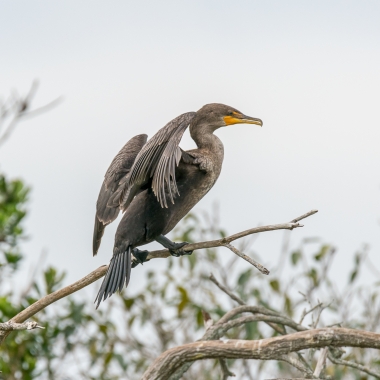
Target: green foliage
{"type": "Point", "coordinates": [13, 196]}
{"type": "Point", "coordinates": [130, 330]}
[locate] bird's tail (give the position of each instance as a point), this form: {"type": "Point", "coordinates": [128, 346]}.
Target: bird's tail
{"type": "Point", "coordinates": [118, 274]}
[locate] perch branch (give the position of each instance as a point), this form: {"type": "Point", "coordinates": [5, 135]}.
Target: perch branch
{"type": "Point", "coordinates": [164, 253]}
{"type": "Point", "coordinates": [101, 271]}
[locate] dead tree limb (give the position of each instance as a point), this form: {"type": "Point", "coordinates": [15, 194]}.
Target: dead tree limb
{"type": "Point", "coordinates": [11, 326]}
{"type": "Point", "coordinates": [100, 272]}
{"type": "Point", "coordinates": [53, 297]}
{"type": "Point", "coordinates": [265, 349]}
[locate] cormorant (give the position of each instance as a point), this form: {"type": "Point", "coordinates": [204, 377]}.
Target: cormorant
{"type": "Point", "coordinates": [156, 184]}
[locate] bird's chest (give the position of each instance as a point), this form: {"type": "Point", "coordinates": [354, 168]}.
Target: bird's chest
{"type": "Point", "coordinates": [193, 184]}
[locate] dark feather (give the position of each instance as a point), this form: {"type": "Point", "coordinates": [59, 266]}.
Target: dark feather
{"type": "Point", "coordinates": [118, 169]}
{"type": "Point", "coordinates": [157, 160]}
{"type": "Point", "coordinates": [118, 275]}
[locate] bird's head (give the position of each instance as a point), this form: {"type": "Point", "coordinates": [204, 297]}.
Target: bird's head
{"type": "Point", "coordinates": [218, 115]}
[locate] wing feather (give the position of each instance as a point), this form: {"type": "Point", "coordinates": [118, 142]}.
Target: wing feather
{"type": "Point", "coordinates": [119, 168]}
{"type": "Point", "coordinates": [157, 160]}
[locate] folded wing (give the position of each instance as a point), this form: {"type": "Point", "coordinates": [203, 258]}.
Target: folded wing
{"type": "Point", "coordinates": [119, 168]}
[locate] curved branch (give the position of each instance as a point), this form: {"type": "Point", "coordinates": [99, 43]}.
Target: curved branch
{"type": "Point", "coordinates": [265, 349]}
{"type": "Point", "coordinates": [55, 296]}
{"type": "Point", "coordinates": [101, 271]}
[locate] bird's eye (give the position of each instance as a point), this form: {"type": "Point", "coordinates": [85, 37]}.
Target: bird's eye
{"type": "Point", "coordinates": [230, 113]}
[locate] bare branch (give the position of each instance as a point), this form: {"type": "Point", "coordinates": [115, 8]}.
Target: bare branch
{"type": "Point", "coordinates": [225, 290]}
{"type": "Point", "coordinates": [100, 272]}
{"type": "Point", "coordinates": [17, 108]}
{"type": "Point", "coordinates": [353, 365]}
{"type": "Point", "coordinates": [163, 253]}
{"type": "Point", "coordinates": [257, 265]}
{"type": "Point", "coordinates": [226, 372]}
{"type": "Point", "coordinates": [11, 326]}
{"type": "Point", "coordinates": [321, 362]}
{"type": "Point", "coordinates": [265, 349]}
{"type": "Point", "coordinates": [296, 363]}
{"type": "Point", "coordinates": [322, 307]}
{"type": "Point", "coordinates": [279, 328]}
{"type": "Point", "coordinates": [304, 216]}
{"type": "Point", "coordinates": [55, 296]}
{"type": "Point", "coordinates": [305, 313]}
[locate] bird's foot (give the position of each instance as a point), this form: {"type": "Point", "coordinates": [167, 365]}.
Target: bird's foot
{"type": "Point", "coordinates": [177, 249]}
{"type": "Point", "coordinates": [139, 257]}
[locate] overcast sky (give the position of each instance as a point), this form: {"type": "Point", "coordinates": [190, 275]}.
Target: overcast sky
{"type": "Point", "coordinates": [309, 70]}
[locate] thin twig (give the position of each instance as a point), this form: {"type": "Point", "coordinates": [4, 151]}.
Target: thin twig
{"type": "Point", "coordinates": [321, 362]}
{"type": "Point", "coordinates": [19, 108]}
{"type": "Point", "coordinates": [296, 363]}
{"type": "Point", "coordinates": [278, 328]}
{"type": "Point", "coordinates": [226, 372]}
{"type": "Point", "coordinates": [225, 290]}
{"type": "Point", "coordinates": [312, 212]}
{"type": "Point", "coordinates": [257, 265]}
{"type": "Point", "coordinates": [305, 313]}
{"type": "Point", "coordinates": [319, 314]}
{"type": "Point", "coordinates": [354, 365]}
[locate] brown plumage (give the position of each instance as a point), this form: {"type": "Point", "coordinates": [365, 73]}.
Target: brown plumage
{"type": "Point", "coordinates": [156, 184]}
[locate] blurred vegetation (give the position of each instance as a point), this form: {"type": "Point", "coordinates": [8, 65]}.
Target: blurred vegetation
{"type": "Point", "coordinates": [130, 330]}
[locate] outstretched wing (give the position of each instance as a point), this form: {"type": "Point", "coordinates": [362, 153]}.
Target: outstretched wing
{"type": "Point", "coordinates": [157, 160]}
{"type": "Point", "coordinates": [120, 167]}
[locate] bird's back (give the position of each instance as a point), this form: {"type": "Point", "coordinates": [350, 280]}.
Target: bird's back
{"type": "Point", "coordinates": [145, 219]}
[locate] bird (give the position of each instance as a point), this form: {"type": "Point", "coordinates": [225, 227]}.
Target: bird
{"type": "Point", "coordinates": [155, 184]}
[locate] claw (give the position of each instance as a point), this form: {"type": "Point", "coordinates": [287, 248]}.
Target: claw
{"type": "Point", "coordinates": [177, 250]}
{"type": "Point", "coordinates": [139, 257]}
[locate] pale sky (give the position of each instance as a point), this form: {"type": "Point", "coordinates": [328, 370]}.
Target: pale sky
{"type": "Point", "coordinates": [309, 70]}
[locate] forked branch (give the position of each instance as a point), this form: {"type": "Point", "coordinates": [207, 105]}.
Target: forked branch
{"type": "Point", "coordinates": [265, 349]}
{"type": "Point", "coordinates": [100, 272]}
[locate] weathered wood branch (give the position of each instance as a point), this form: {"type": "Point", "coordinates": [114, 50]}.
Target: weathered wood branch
{"type": "Point", "coordinates": [11, 326]}
{"type": "Point", "coordinates": [265, 349]}
{"type": "Point", "coordinates": [53, 297]}
{"type": "Point", "coordinates": [164, 253]}
{"type": "Point", "coordinates": [101, 271]}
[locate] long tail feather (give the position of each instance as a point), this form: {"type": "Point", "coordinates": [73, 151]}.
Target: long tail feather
{"type": "Point", "coordinates": [118, 274]}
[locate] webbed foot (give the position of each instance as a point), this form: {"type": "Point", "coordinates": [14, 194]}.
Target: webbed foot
{"type": "Point", "coordinates": [177, 250]}
{"type": "Point", "coordinates": [139, 257]}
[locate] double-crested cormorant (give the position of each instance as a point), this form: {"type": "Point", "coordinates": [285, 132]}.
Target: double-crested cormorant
{"type": "Point", "coordinates": [156, 184]}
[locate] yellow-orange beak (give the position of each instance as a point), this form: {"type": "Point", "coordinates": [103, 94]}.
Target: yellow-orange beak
{"type": "Point", "coordinates": [238, 118]}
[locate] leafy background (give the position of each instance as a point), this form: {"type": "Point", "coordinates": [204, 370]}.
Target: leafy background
{"type": "Point", "coordinates": [128, 332]}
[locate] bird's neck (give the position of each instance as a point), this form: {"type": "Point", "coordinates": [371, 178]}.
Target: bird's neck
{"type": "Point", "coordinates": [205, 139]}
